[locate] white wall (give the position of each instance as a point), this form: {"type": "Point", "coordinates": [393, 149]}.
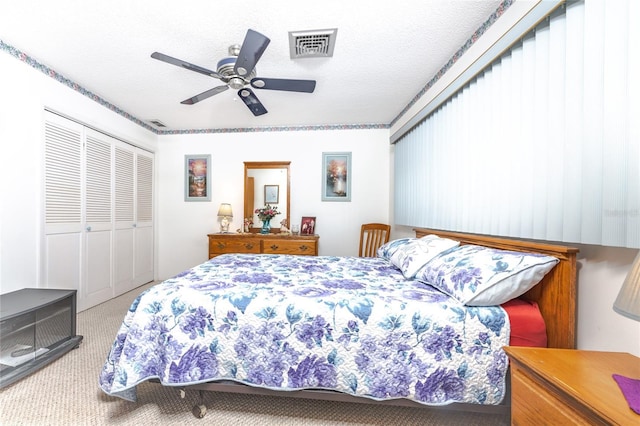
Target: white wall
{"type": "Point", "coordinates": [600, 275]}
{"type": "Point", "coordinates": [186, 224]}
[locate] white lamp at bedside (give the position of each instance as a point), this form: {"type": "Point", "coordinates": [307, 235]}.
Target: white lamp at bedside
{"type": "Point", "coordinates": [225, 213]}
{"type": "Point", "coordinates": [628, 304]}
{"type": "Point", "coordinates": [628, 301]}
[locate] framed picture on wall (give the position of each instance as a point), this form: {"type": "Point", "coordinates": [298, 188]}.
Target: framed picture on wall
{"type": "Point", "coordinates": [336, 176]}
{"type": "Point", "coordinates": [197, 177]}
{"type": "Point", "coordinates": [271, 194]}
{"type": "Point", "coordinates": [308, 225]}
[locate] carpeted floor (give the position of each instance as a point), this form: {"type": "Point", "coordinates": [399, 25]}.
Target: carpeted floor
{"type": "Point", "coordinates": [66, 393]}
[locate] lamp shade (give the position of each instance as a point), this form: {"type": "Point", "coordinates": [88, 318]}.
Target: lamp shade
{"type": "Point", "coordinates": [225, 210]}
{"type": "Point", "coordinates": [628, 301]}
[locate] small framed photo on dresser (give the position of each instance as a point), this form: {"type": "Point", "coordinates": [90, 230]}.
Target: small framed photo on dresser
{"type": "Point", "coordinates": [308, 225]}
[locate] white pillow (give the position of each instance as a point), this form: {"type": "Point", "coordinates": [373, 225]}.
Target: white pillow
{"type": "Point", "coordinates": [414, 254]}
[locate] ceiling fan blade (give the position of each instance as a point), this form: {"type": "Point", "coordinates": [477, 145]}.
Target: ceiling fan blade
{"type": "Point", "coordinates": [204, 95]}
{"type": "Point", "coordinates": [253, 47]}
{"type": "Point", "coordinates": [180, 63]}
{"type": "Point", "coordinates": [252, 102]}
{"type": "Point", "coordinates": [307, 86]}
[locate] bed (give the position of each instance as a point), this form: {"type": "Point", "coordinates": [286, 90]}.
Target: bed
{"type": "Point", "coordinates": [396, 329]}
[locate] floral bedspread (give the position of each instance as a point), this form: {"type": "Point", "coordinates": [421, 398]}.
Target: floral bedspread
{"type": "Point", "coordinates": [354, 325]}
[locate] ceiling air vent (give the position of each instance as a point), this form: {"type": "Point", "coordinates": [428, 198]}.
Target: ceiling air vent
{"type": "Point", "coordinates": [312, 44]}
{"type": "Point", "coordinates": [157, 123]}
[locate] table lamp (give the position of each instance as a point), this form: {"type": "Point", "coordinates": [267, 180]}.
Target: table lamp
{"type": "Point", "coordinates": [628, 304]}
{"type": "Point", "coordinates": [225, 213]}
{"type": "Point", "coordinates": [628, 301]}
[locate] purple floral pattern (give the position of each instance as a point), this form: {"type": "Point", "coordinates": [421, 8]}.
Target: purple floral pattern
{"type": "Point", "coordinates": [481, 276]}
{"type": "Point", "coordinates": [353, 325]}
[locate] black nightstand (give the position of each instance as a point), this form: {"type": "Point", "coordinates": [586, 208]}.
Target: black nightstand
{"type": "Point", "coordinates": [37, 326]}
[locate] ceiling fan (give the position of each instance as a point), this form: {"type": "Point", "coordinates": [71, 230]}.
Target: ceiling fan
{"type": "Point", "coordinates": [238, 71]}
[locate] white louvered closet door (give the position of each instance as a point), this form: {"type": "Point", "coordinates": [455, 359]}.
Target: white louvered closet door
{"type": "Point", "coordinates": [133, 217]}
{"type": "Point", "coordinates": [124, 187]}
{"type": "Point", "coordinates": [97, 282]}
{"type": "Point", "coordinates": [63, 185]}
{"type": "Point", "coordinates": [78, 224]}
{"type": "Point", "coordinates": [143, 267]}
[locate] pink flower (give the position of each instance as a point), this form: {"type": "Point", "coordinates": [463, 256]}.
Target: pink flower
{"type": "Point", "coordinates": [267, 212]}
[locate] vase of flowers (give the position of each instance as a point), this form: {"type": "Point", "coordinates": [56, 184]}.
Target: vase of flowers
{"type": "Point", "coordinates": [266, 226]}
{"type": "Point", "coordinates": [265, 214]}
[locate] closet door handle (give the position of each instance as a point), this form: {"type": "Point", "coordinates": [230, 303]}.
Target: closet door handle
{"type": "Point", "coordinates": [89, 228]}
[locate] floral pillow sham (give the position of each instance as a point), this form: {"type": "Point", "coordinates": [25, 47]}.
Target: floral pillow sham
{"type": "Point", "coordinates": [388, 249]}
{"type": "Point", "coordinates": [482, 276]}
{"type": "Point", "coordinates": [411, 254]}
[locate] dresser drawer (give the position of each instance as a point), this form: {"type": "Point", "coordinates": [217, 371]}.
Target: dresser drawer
{"type": "Point", "coordinates": [258, 243]}
{"type": "Point", "coordinates": [229, 245]}
{"type": "Point", "coordinates": [283, 246]}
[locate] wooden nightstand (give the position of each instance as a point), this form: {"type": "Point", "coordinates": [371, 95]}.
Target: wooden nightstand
{"type": "Point", "coordinates": [568, 386]}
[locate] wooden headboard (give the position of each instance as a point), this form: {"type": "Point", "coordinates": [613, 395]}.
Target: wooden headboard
{"type": "Point", "coordinates": [556, 294]}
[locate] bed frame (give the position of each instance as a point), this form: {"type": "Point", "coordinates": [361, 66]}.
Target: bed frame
{"type": "Point", "coordinates": [555, 295]}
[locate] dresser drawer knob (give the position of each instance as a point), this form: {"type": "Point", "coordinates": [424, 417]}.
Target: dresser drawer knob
{"type": "Point", "coordinates": [274, 247]}
{"type": "Point", "coordinates": [221, 245]}
{"type": "Point", "coordinates": [304, 247]}
{"type": "Point", "coordinates": [249, 246]}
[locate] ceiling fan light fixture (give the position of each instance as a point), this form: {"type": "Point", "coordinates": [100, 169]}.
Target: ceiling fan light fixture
{"type": "Point", "coordinates": [237, 83]}
{"type": "Point", "coordinates": [226, 69]}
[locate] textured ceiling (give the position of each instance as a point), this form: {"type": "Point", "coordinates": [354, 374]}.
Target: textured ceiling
{"type": "Point", "coordinates": [385, 54]}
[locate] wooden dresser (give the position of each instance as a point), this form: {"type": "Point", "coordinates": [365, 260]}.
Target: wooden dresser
{"type": "Point", "coordinates": [568, 386]}
{"type": "Point", "coordinates": [262, 243]}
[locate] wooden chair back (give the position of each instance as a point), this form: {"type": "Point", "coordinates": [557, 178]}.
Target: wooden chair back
{"type": "Point", "coordinates": [372, 236]}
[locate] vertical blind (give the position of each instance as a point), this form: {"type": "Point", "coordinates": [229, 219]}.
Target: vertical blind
{"type": "Point", "coordinates": [544, 143]}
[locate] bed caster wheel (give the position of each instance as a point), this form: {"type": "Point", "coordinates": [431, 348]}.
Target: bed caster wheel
{"type": "Point", "coordinates": [199, 411]}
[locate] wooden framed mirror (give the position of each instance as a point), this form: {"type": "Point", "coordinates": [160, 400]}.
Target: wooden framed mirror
{"type": "Point", "coordinates": [267, 181]}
